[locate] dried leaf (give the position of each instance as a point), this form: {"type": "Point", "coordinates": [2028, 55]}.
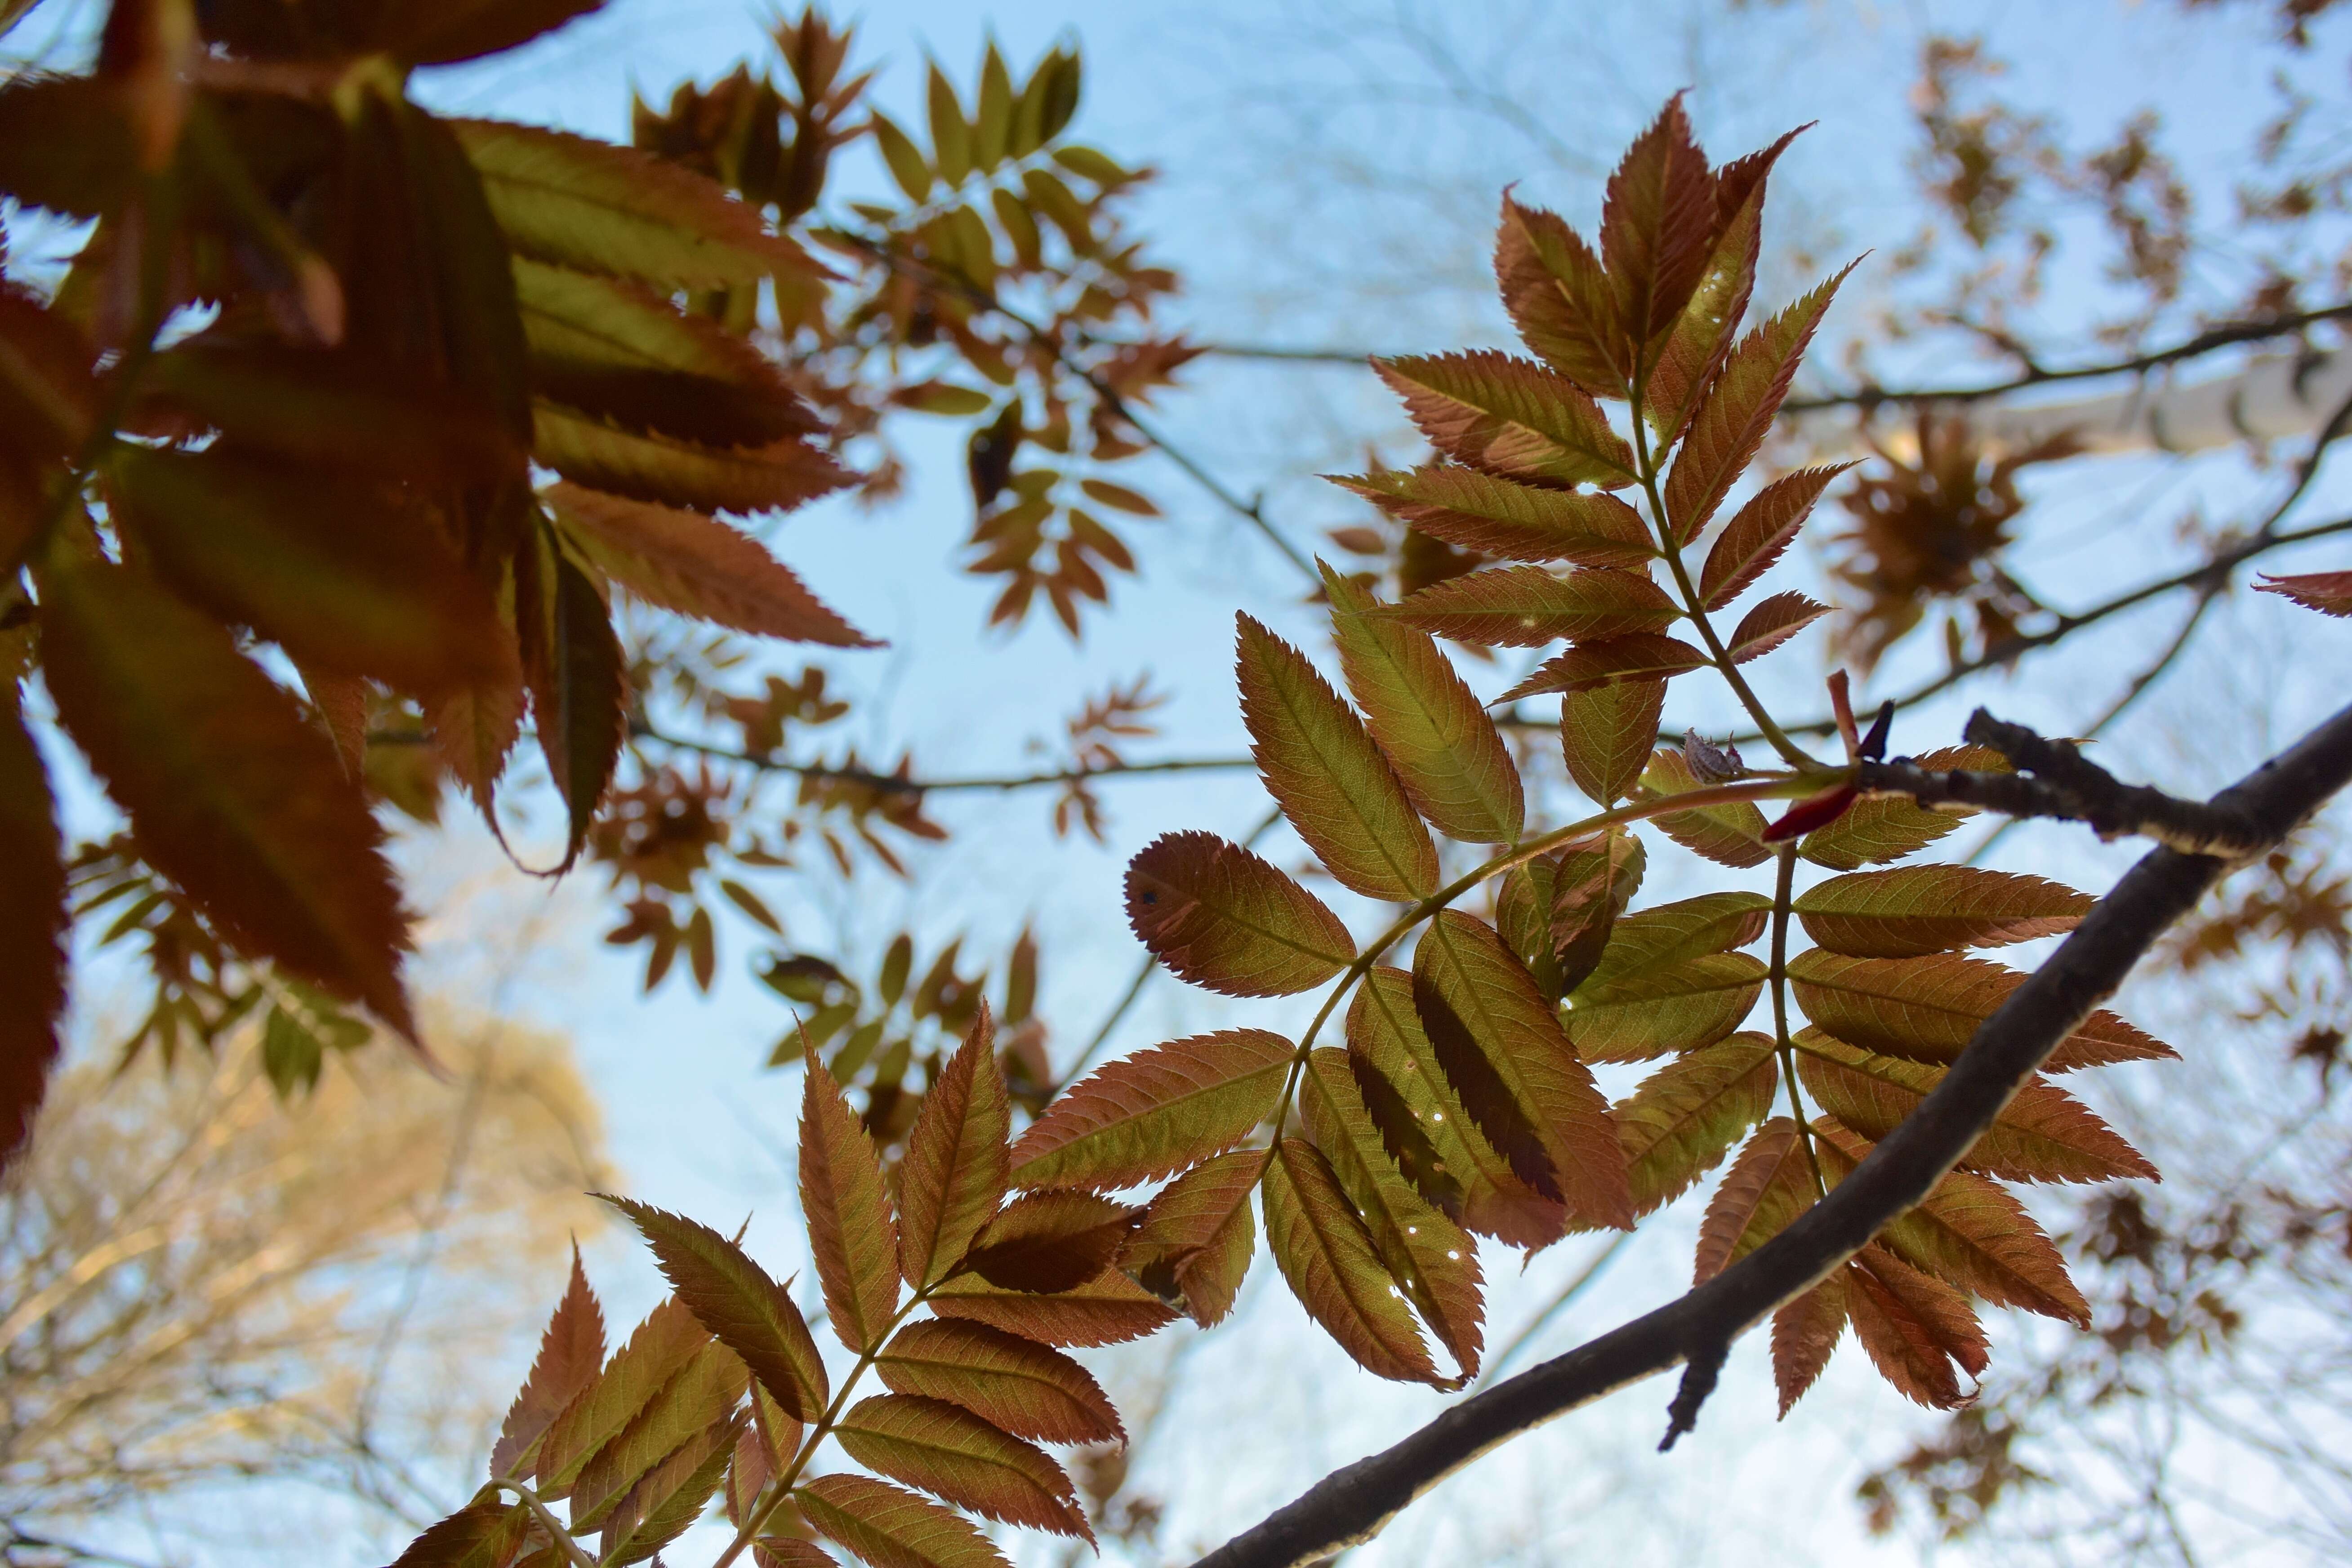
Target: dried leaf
{"type": "Point", "coordinates": [1050, 1240]}
{"type": "Point", "coordinates": [1730, 834]}
{"type": "Point", "coordinates": [1424, 1127]}
{"type": "Point", "coordinates": [954, 1172]}
{"type": "Point", "coordinates": [1334, 784]}
{"type": "Point", "coordinates": [696, 566]}
{"type": "Point", "coordinates": [1432, 1260]}
{"type": "Point", "coordinates": [1913, 1327]}
{"type": "Point", "coordinates": [2044, 1134]}
{"type": "Point", "coordinates": [1928, 1009]}
{"type": "Point", "coordinates": [1107, 1310]}
{"type": "Point", "coordinates": [586, 204]}
{"type": "Point", "coordinates": [1510, 417]}
{"type": "Point", "coordinates": [1759, 532]}
{"type": "Point", "coordinates": [851, 1233]}
{"type": "Point", "coordinates": [1155, 1112]}
{"type": "Point", "coordinates": [1686, 1116]}
{"type": "Point", "coordinates": [1479, 512]}
{"type": "Point", "coordinates": [1195, 1241]}
{"type": "Point", "coordinates": [946, 1450]}
{"type": "Point", "coordinates": [1446, 750]}
{"type": "Point", "coordinates": [1738, 409]}
{"type": "Point", "coordinates": [1505, 1054]}
{"type": "Point", "coordinates": [231, 791]}
{"type": "Point", "coordinates": [1015, 1384]}
{"type": "Point", "coordinates": [1606, 733]}
{"type": "Point", "coordinates": [1920, 909]}
{"type": "Point", "coordinates": [1526, 606]}
{"type": "Point", "coordinates": [1327, 1257]}
{"type": "Point", "coordinates": [33, 926]}
{"type": "Point", "coordinates": [1767, 1186]}
{"type": "Point", "coordinates": [1229, 922]}
{"type": "Point", "coordinates": [570, 1354]}
{"type": "Point", "coordinates": [892, 1529]}
{"type": "Point", "coordinates": [1771, 623]}
{"type": "Point", "coordinates": [734, 1297]}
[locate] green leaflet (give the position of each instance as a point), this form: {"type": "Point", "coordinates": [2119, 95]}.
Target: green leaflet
{"type": "Point", "coordinates": [1689, 1113]}
{"type": "Point", "coordinates": [1155, 1112]}
{"type": "Point", "coordinates": [1658, 1012]}
{"type": "Point", "coordinates": [1326, 1256]}
{"type": "Point", "coordinates": [1919, 910]}
{"type": "Point", "coordinates": [946, 1450]}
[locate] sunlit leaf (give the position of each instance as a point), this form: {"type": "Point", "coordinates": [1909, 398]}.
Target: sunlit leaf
{"type": "Point", "coordinates": [665, 1343]}
{"type": "Point", "coordinates": [1759, 532]}
{"type": "Point", "coordinates": [669, 1496]}
{"type": "Point", "coordinates": [1666, 935]}
{"type": "Point", "coordinates": [479, 1535]}
{"type": "Point", "coordinates": [1914, 1327]}
{"type": "Point", "coordinates": [1504, 1052]}
{"type": "Point", "coordinates": [685, 1410]}
{"type": "Point", "coordinates": [1887, 827]}
{"type": "Point", "coordinates": [1155, 1112]}
{"type": "Point", "coordinates": [1642, 658]}
{"type": "Point", "coordinates": [1526, 606]}
{"type": "Point", "coordinates": [1327, 1257]}
{"type": "Point", "coordinates": [1656, 219]}
{"type": "Point", "coordinates": [1928, 1009]}
{"type": "Point", "coordinates": [1652, 1013]}
{"type": "Point", "coordinates": [1477, 512]}
{"type": "Point", "coordinates": [734, 1297]}
{"type": "Point", "coordinates": [892, 1529]}
{"type": "Point", "coordinates": [1688, 1114]}
{"type": "Point", "coordinates": [1194, 1243]}
{"type": "Point", "coordinates": [1510, 417]}
{"type": "Point", "coordinates": [1560, 299]}
{"type": "Point", "coordinates": [1018, 1385]}
{"type": "Point", "coordinates": [1767, 1186]}
{"type": "Point", "coordinates": [1606, 733]}
{"type": "Point", "coordinates": [851, 1233]}
{"type": "Point", "coordinates": [946, 1450]}
{"type": "Point", "coordinates": [1107, 1310]}
{"type": "Point", "coordinates": [2043, 1135]}
{"type": "Point", "coordinates": [1229, 922]}
{"type": "Point", "coordinates": [1771, 623]}
{"type": "Point", "coordinates": [1050, 1240]}
{"type": "Point", "coordinates": [570, 1354]}
{"type": "Point", "coordinates": [1730, 833]}
{"type": "Point", "coordinates": [231, 791]}
{"type": "Point", "coordinates": [1919, 910]}
{"type": "Point", "coordinates": [1446, 750]}
{"type": "Point", "coordinates": [953, 1174]}
{"type": "Point", "coordinates": [1805, 1332]}
{"type": "Point", "coordinates": [1709, 325]}
{"type": "Point", "coordinates": [1334, 784]}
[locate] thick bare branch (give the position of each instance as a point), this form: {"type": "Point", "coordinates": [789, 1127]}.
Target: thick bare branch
{"type": "Point", "coordinates": [1352, 1504]}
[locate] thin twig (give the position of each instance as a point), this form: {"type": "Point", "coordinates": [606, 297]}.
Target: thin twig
{"type": "Point", "coordinates": [899, 784]}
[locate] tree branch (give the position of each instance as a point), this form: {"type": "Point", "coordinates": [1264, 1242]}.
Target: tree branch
{"type": "Point", "coordinates": [1352, 1505]}
{"type": "Point", "coordinates": [899, 783]}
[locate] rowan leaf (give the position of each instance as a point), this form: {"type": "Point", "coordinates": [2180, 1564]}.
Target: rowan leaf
{"type": "Point", "coordinates": [892, 1529]}
{"type": "Point", "coordinates": [1050, 1240]}
{"type": "Point", "coordinates": [1771, 623]}
{"type": "Point", "coordinates": [1015, 1384]}
{"type": "Point", "coordinates": [1686, 1116]}
{"type": "Point", "coordinates": [479, 1535]}
{"type": "Point", "coordinates": [1503, 1050]}
{"type": "Point", "coordinates": [2329, 592]}
{"type": "Point", "coordinates": [1510, 417]}
{"type": "Point", "coordinates": [853, 1234]}
{"type": "Point", "coordinates": [954, 1171]}
{"type": "Point", "coordinates": [1889, 827]}
{"type": "Point", "coordinates": [1914, 1329]}
{"type": "Point", "coordinates": [734, 1297]}
{"type": "Point", "coordinates": [1805, 1332]}
{"type": "Point", "coordinates": [1767, 1186]}
{"type": "Point", "coordinates": [1107, 1310]}
{"type": "Point", "coordinates": [345, 574]}
{"type": "Point", "coordinates": [696, 566]}
{"type": "Point", "coordinates": [1446, 750]}
{"type": "Point", "coordinates": [649, 466]}
{"type": "Point", "coordinates": [1928, 1009]}
{"type": "Point", "coordinates": [1195, 1241]}
{"type": "Point", "coordinates": [1656, 220]}
{"type": "Point", "coordinates": [1759, 532]}
{"type": "Point", "coordinates": [1664, 936]}
{"type": "Point", "coordinates": [1738, 409]}
{"type": "Point", "coordinates": [1333, 784]}
{"type": "Point", "coordinates": [665, 1343]}
{"type": "Point", "coordinates": [1639, 658]}
{"type": "Point", "coordinates": [1730, 833]}
{"type": "Point", "coordinates": [1592, 882]}
{"type": "Point", "coordinates": [1229, 922]}
{"type": "Point", "coordinates": [33, 926]}
{"type": "Point", "coordinates": [669, 1496]}
{"type": "Point", "coordinates": [602, 208]}
{"type": "Point", "coordinates": [1476, 511]}
{"type": "Point", "coordinates": [1153, 1113]}
{"type": "Point", "coordinates": [902, 157]}
{"type": "Point", "coordinates": [232, 793]}
{"type": "Point", "coordinates": [578, 679]}
{"type": "Point", "coordinates": [1425, 1127]}
{"type": "Point", "coordinates": [1968, 1232]}
{"type": "Point", "coordinates": [1431, 1260]}
{"type": "Point", "coordinates": [948, 1451]}
{"type": "Point", "coordinates": [1919, 910]}
{"type": "Point", "coordinates": [1709, 325]}
{"type": "Point", "coordinates": [2044, 1134]}
{"type": "Point", "coordinates": [1560, 299]}
{"type": "Point", "coordinates": [791, 1551]}
{"type": "Point", "coordinates": [1606, 733]}
{"type": "Point", "coordinates": [1527, 606]}
{"type": "Point", "coordinates": [1653, 1013]}
{"type": "Point", "coordinates": [698, 1397]}
{"type": "Point", "coordinates": [1327, 1257]}
{"type": "Point", "coordinates": [570, 1354]}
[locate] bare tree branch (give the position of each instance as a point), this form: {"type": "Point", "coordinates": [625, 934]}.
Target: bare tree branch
{"type": "Point", "coordinates": [1352, 1504]}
